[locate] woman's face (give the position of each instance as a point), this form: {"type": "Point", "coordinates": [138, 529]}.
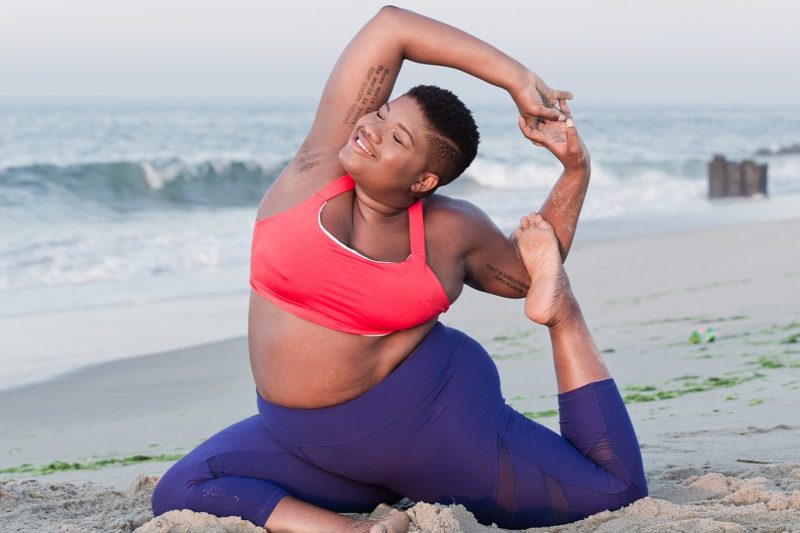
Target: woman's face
{"type": "Point", "coordinates": [388, 147]}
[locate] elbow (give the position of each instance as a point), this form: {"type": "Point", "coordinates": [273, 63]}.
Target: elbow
{"type": "Point", "coordinates": [388, 12]}
{"type": "Point", "coordinates": [388, 8]}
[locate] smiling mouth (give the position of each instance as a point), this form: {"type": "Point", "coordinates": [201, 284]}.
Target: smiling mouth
{"type": "Point", "coordinates": [361, 145]}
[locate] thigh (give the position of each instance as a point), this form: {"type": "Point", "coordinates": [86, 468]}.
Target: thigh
{"type": "Point", "coordinates": [451, 441]}
{"type": "Point", "coordinates": [248, 450]}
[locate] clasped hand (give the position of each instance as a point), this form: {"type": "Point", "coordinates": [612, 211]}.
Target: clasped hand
{"type": "Point", "coordinates": [545, 120]}
{"type": "Point", "coordinates": [560, 137]}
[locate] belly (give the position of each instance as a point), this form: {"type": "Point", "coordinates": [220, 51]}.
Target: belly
{"type": "Point", "coordinates": [300, 364]}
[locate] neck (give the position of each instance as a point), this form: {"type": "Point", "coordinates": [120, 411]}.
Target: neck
{"type": "Point", "coordinates": [374, 211]}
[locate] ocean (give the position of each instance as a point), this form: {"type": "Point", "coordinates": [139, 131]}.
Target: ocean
{"type": "Point", "coordinates": [106, 206]}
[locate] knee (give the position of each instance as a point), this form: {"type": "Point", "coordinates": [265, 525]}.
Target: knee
{"type": "Point", "coordinates": [173, 490]}
{"type": "Point", "coordinates": [167, 494]}
{"type": "Point", "coordinates": [636, 491]}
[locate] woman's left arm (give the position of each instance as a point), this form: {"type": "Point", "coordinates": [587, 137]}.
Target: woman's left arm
{"type": "Point", "coordinates": [565, 200]}
{"type": "Point", "coordinates": [491, 261]}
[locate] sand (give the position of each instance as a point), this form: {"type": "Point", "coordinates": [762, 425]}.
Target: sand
{"type": "Point", "coordinates": [718, 422]}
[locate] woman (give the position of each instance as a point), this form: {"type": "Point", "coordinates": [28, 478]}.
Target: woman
{"type": "Point", "coordinates": [363, 396]}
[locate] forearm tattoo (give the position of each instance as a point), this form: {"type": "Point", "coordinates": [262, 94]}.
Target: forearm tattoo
{"type": "Point", "coordinates": [368, 94]}
{"type": "Point", "coordinates": [509, 281]}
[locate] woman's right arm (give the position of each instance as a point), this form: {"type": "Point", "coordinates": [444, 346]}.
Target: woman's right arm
{"type": "Point", "coordinates": [364, 75]}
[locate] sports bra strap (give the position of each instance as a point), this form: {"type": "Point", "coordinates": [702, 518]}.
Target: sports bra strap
{"type": "Point", "coordinates": [416, 227]}
{"type": "Point", "coordinates": [336, 187]}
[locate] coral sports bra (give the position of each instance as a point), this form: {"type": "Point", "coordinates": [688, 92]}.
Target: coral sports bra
{"type": "Point", "coordinates": [296, 264]}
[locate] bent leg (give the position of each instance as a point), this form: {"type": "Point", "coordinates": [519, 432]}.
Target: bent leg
{"type": "Point", "coordinates": [243, 471]}
{"type": "Point", "coordinates": [593, 466]}
{"type": "Point", "coordinates": [473, 449]}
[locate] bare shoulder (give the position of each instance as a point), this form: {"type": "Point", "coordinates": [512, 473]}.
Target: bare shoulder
{"type": "Point", "coordinates": [456, 221]}
{"type": "Point", "coordinates": [447, 211]}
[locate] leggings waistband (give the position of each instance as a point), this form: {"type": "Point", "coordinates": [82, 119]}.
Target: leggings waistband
{"type": "Point", "coordinates": [417, 377]}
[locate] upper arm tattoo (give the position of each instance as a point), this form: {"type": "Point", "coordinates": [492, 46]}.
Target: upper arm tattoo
{"type": "Point", "coordinates": [508, 280]}
{"type": "Point", "coordinates": [367, 96]}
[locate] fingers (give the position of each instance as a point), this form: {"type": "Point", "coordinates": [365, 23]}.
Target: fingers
{"type": "Point", "coordinates": [532, 134]}
{"type": "Point", "coordinates": [561, 95]}
{"type": "Point", "coordinates": [562, 103]}
{"type": "Point", "coordinates": [573, 143]}
{"type": "Point", "coordinates": [549, 113]}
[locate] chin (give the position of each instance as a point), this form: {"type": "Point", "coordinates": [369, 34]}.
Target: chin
{"type": "Point", "coordinates": [346, 157]}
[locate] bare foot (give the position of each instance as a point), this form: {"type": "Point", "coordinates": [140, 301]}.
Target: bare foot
{"type": "Point", "coordinates": [549, 299]}
{"type": "Point", "coordinates": [384, 519]}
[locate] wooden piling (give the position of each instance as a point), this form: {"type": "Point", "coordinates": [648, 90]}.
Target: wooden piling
{"type": "Point", "coordinates": [717, 177]}
{"type": "Point", "coordinates": [727, 178]}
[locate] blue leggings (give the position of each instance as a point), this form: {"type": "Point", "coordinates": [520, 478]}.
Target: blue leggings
{"type": "Point", "coordinates": [436, 430]}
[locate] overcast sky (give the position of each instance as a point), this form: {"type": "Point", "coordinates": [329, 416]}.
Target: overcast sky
{"type": "Point", "coordinates": [679, 52]}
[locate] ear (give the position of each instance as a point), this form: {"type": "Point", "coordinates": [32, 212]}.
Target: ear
{"type": "Point", "coordinates": [425, 183]}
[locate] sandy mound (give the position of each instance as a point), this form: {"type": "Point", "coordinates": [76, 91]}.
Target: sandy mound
{"type": "Point", "coordinates": [766, 498]}
{"type": "Point", "coordinates": [191, 522]}
{"type": "Point", "coordinates": [32, 505]}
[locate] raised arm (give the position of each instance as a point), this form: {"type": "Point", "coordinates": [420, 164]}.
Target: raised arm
{"type": "Point", "coordinates": [492, 262]}
{"type": "Point", "coordinates": [565, 200]}
{"type": "Point", "coordinates": [365, 73]}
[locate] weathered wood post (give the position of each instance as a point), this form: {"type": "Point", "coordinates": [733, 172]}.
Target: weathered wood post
{"type": "Point", "coordinates": [735, 180]}
{"type": "Point", "coordinates": [726, 178]}
{"type": "Point", "coordinates": [755, 178]}
{"type": "Point", "coordinates": [717, 177]}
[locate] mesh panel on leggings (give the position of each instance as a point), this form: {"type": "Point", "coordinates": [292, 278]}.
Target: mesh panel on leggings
{"type": "Point", "coordinates": [505, 502]}
{"type": "Point", "coordinates": [602, 454]}
{"type": "Point", "coordinates": [560, 512]}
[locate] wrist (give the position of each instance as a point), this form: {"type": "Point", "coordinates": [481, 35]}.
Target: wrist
{"type": "Point", "coordinates": [521, 82]}
{"type": "Point", "coordinates": [581, 169]}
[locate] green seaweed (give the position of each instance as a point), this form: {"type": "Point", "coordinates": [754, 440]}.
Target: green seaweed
{"type": "Point", "coordinates": [649, 393]}
{"type": "Point", "coordinates": [640, 388]}
{"type": "Point", "coordinates": [755, 401]}
{"type": "Point", "coordinates": [766, 361]}
{"type": "Point", "coordinates": [91, 464]}
{"type": "Point", "coordinates": [541, 414]}
{"type": "Point", "coordinates": [791, 339]}
{"type": "Point", "coordinates": [686, 377]}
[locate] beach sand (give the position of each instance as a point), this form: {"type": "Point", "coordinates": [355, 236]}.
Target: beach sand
{"type": "Point", "coordinates": [719, 422]}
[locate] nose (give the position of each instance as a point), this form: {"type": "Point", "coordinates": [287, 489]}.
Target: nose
{"type": "Point", "coordinates": [372, 131]}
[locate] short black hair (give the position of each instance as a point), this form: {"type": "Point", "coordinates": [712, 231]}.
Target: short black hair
{"type": "Point", "coordinates": [454, 136]}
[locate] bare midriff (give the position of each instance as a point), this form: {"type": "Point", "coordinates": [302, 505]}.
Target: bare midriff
{"type": "Point", "coordinates": [303, 365]}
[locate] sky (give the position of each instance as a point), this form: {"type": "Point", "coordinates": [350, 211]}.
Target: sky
{"type": "Point", "coordinates": [615, 53]}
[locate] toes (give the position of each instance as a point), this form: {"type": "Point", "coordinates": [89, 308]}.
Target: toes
{"type": "Point", "coordinates": [528, 220]}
